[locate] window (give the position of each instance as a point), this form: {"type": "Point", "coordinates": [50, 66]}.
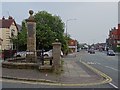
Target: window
{"type": "Point", "coordinates": [12, 32]}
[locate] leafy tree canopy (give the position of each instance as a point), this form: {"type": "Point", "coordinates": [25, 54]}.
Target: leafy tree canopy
{"type": "Point", "coordinates": [48, 28]}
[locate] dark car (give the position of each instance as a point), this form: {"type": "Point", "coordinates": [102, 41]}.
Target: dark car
{"type": "Point", "coordinates": [88, 50]}
{"type": "Point", "coordinates": [92, 51]}
{"type": "Point", "coordinates": [110, 53]}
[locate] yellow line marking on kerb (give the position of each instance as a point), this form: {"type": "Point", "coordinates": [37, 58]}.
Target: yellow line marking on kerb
{"type": "Point", "coordinates": [106, 77]}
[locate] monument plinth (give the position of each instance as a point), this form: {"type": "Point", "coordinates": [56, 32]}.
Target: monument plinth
{"type": "Point", "coordinates": [56, 55]}
{"type": "Point", "coordinates": [31, 38]}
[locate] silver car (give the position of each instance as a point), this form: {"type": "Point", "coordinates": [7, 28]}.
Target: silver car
{"type": "Point", "coordinates": [110, 53]}
{"type": "Point", "coordinates": [49, 53]}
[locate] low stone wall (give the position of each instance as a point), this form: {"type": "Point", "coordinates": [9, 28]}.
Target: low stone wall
{"type": "Point", "coordinates": [16, 65]}
{"type": "Point", "coordinates": [20, 63]}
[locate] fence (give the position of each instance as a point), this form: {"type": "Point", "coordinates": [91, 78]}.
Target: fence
{"type": "Point", "coordinates": [41, 58]}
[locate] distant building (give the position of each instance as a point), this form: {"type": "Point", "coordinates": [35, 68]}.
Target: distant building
{"type": "Point", "coordinates": [113, 40]}
{"type": "Point", "coordinates": [8, 29]}
{"type": "Point", "coordinates": [72, 44]}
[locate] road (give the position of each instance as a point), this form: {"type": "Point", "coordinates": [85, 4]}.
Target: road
{"type": "Point", "coordinates": [99, 60]}
{"type": "Point", "coordinates": [104, 63]}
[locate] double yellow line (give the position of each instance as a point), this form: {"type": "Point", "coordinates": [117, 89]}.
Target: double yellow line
{"type": "Point", "coordinates": [107, 79]}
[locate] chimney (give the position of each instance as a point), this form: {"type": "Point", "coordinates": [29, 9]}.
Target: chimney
{"type": "Point", "coordinates": [118, 25]}
{"type": "Point", "coordinates": [10, 17]}
{"type": "Point", "coordinates": [3, 18]}
{"type": "Point", "coordinates": [114, 28]}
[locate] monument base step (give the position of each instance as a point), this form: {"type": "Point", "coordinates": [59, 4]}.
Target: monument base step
{"type": "Point", "coordinates": [45, 67]}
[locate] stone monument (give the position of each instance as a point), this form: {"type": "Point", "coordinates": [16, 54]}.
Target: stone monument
{"type": "Point", "coordinates": [31, 38]}
{"type": "Point", "coordinates": [56, 55]}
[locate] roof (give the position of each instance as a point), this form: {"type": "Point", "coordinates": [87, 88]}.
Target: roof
{"type": "Point", "coordinates": [6, 23]}
{"type": "Point", "coordinates": [115, 31]}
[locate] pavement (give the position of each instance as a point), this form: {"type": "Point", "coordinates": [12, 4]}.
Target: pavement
{"type": "Point", "coordinates": [74, 73]}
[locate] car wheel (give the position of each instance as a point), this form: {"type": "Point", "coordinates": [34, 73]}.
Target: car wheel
{"type": "Point", "coordinates": [61, 56]}
{"type": "Point", "coordinates": [45, 55]}
{"type": "Point", "coordinates": [18, 56]}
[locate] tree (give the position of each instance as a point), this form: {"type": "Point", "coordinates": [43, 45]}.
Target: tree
{"type": "Point", "coordinates": [44, 37]}
{"type": "Point", "coordinates": [49, 28]}
{"type": "Point", "coordinates": [20, 41]}
{"type": "Point", "coordinates": [22, 37]}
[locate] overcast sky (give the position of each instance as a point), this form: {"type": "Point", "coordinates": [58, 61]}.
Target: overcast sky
{"type": "Point", "coordinates": [93, 19]}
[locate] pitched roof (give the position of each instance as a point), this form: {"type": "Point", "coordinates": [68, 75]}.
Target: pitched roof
{"type": "Point", "coordinates": [6, 23]}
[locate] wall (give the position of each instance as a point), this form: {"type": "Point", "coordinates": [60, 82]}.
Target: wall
{"type": "Point", "coordinates": [6, 34]}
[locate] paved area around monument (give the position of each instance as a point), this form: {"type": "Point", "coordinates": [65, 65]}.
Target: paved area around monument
{"type": "Point", "coordinates": [74, 72]}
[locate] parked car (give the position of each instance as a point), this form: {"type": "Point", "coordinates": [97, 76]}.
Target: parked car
{"type": "Point", "coordinates": [88, 50]}
{"type": "Point", "coordinates": [110, 53]}
{"type": "Point", "coordinates": [49, 53]}
{"type": "Point", "coordinates": [92, 51]}
{"type": "Point", "coordinates": [22, 54]}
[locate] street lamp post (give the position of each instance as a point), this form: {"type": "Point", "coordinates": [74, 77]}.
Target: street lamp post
{"type": "Point", "coordinates": [67, 25]}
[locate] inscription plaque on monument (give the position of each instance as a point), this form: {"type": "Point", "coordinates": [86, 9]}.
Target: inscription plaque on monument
{"type": "Point", "coordinates": [30, 29]}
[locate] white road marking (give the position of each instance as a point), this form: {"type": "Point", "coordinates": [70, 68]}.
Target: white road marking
{"type": "Point", "coordinates": [111, 68]}
{"type": "Point", "coordinates": [113, 85]}
{"type": "Point", "coordinates": [91, 63]}
{"type": "Point", "coordinates": [98, 63]}
{"type": "Point", "coordinates": [108, 67]}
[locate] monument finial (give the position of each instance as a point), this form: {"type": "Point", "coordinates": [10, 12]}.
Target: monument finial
{"type": "Point", "coordinates": [31, 12]}
{"type": "Point", "coordinates": [31, 17]}
{"type": "Point", "coordinates": [56, 40]}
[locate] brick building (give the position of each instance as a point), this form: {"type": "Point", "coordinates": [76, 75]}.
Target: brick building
{"type": "Point", "coordinates": [113, 40]}
{"type": "Point", "coordinates": [72, 44]}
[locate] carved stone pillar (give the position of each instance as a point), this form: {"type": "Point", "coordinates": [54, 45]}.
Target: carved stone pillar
{"type": "Point", "coordinates": [31, 38]}
{"type": "Point", "coordinates": [56, 55]}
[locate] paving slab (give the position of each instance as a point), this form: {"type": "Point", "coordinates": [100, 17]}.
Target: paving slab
{"type": "Point", "coordinates": [73, 73]}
